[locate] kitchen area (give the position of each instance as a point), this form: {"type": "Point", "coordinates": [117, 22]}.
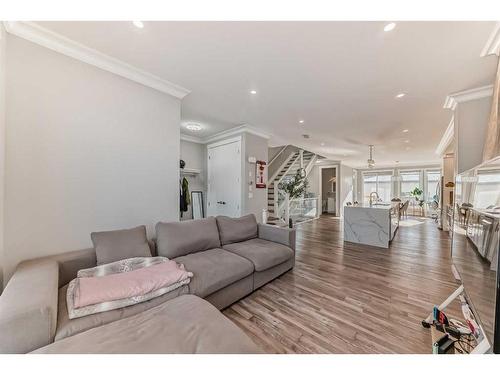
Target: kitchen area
{"type": "Point", "coordinates": [374, 223]}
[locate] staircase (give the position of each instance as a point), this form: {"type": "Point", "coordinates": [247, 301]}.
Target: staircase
{"type": "Point", "coordinates": [286, 172]}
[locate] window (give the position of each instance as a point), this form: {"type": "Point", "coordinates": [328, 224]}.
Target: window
{"type": "Point", "coordinates": [409, 181]}
{"type": "Point", "coordinates": [379, 182]}
{"type": "Point", "coordinates": [432, 180]}
{"type": "Point", "coordinates": [487, 189]}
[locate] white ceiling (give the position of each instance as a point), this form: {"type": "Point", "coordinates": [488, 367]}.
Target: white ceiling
{"type": "Point", "coordinates": [340, 77]}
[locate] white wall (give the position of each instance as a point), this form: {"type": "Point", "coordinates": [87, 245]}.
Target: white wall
{"type": "Point", "coordinates": [2, 148]}
{"type": "Point", "coordinates": [195, 156]}
{"type": "Point", "coordinates": [346, 186]}
{"type": "Point", "coordinates": [86, 150]}
{"type": "Point", "coordinates": [471, 123]}
{"type": "Point", "coordinates": [254, 200]}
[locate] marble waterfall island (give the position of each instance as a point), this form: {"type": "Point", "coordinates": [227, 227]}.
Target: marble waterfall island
{"type": "Point", "coordinates": [370, 225]}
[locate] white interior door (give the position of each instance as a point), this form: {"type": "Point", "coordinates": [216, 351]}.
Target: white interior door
{"type": "Point", "coordinates": [224, 179]}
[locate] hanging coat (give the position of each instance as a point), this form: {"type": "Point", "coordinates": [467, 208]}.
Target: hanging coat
{"type": "Point", "coordinates": [185, 200]}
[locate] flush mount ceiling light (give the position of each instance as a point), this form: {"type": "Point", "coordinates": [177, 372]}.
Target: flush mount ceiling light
{"type": "Point", "coordinates": [389, 26]}
{"type": "Point", "coordinates": [405, 131]}
{"type": "Point", "coordinates": [253, 92]}
{"type": "Point", "coordinates": [301, 121]}
{"type": "Point", "coordinates": [407, 141]}
{"type": "Point", "coordinates": [400, 95]}
{"type": "Point", "coordinates": [370, 161]}
{"type": "Point", "coordinates": [138, 24]}
{"type": "Point", "coordinates": [193, 127]}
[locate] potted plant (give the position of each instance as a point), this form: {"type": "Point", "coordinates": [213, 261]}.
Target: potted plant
{"type": "Point", "coordinates": [417, 194]}
{"type": "Point", "coordinates": [296, 187]}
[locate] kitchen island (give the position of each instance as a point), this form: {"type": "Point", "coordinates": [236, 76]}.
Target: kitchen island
{"type": "Point", "coordinates": [373, 225]}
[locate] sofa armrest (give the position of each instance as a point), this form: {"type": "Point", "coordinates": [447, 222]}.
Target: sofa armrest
{"type": "Point", "coordinates": [284, 236]}
{"type": "Point", "coordinates": [28, 307]}
{"type": "Point", "coordinates": [71, 262]}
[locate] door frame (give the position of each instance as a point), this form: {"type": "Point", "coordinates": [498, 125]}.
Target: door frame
{"type": "Point", "coordinates": [320, 185]}
{"type": "Point", "coordinates": [239, 140]}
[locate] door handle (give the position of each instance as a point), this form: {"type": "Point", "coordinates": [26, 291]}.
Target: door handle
{"type": "Point", "coordinates": [221, 202]}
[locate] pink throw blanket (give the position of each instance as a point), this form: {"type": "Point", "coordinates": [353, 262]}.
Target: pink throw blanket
{"type": "Point", "coordinates": [92, 290]}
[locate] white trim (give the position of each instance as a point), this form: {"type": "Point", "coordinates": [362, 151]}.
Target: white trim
{"type": "Point", "coordinates": [492, 46]}
{"type": "Point", "coordinates": [452, 100]}
{"type": "Point", "coordinates": [278, 154]}
{"type": "Point", "coordinates": [225, 142]}
{"type": "Point", "coordinates": [190, 138]}
{"type": "Point", "coordinates": [237, 130]}
{"type": "Point", "coordinates": [447, 138]}
{"type": "Point", "coordinates": [226, 133]}
{"type": "Point", "coordinates": [337, 188]}
{"type": "Point", "coordinates": [56, 42]}
{"type": "Point", "coordinates": [238, 140]}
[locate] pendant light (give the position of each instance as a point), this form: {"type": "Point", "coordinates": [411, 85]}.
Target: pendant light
{"type": "Point", "coordinates": [371, 162]}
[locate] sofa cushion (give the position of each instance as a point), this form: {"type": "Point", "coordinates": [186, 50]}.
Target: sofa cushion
{"type": "Point", "coordinates": [186, 324]}
{"type": "Point", "coordinates": [237, 229]}
{"type": "Point", "coordinates": [214, 269]}
{"type": "Point", "coordinates": [115, 245]}
{"type": "Point", "coordinates": [68, 327]}
{"type": "Point", "coordinates": [181, 238]}
{"type": "Point", "coordinates": [262, 253]}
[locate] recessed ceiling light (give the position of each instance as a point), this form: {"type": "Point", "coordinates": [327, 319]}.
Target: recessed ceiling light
{"type": "Point", "coordinates": [400, 95]}
{"type": "Point", "coordinates": [407, 141]}
{"type": "Point", "coordinates": [405, 131]}
{"type": "Point", "coordinates": [390, 26]}
{"type": "Point", "coordinates": [253, 92]}
{"type": "Point", "coordinates": [301, 121]}
{"type": "Point", "coordinates": [193, 127]}
{"type": "Point", "coordinates": [322, 143]}
{"type": "Point", "coordinates": [138, 24]}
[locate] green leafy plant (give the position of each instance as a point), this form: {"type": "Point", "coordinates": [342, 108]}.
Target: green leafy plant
{"type": "Point", "coordinates": [296, 186]}
{"type": "Point", "coordinates": [417, 194]}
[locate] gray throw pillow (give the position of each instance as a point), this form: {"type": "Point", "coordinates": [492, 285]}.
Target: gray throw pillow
{"type": "Point", "coordinates": [180, 238]}
{"type": "Point", "coordinates": [122, 244]}
{"type": "Point", "coordinates": [237, 229]}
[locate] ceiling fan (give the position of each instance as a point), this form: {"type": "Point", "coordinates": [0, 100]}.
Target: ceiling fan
{"type": "Point", "coordinates": [371, 162]}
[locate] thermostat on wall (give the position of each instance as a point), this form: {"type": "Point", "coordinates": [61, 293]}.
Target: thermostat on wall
{"type": "Point", "coordinates": [252, 159]}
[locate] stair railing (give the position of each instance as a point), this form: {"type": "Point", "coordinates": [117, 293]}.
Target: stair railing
{"type": "Point", "coordinates": [278, 205]}
{"type": "Point", "coordinates": [282, 206]}
{"type": "Point", "coordinates": [300, 208]}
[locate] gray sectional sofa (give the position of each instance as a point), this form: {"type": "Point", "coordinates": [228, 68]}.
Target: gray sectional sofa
{"type": "Point", "coordinates": [229, 258]}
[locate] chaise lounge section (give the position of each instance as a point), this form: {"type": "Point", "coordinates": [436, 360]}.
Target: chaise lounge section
{"type": "Point", "coordinates": [229, 259]}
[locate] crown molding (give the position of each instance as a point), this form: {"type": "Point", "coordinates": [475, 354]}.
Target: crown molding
{"type": "Point", "coordinates": [237, 130]}
{"type": "Point", "coordinates": [227, 133]}
{"type": "Point", "coordinates": [190, 138]}
{"type": "Point", "coordinates": [492, 46]}
{"type": "Point", "coordinates": [56, 42]}
{"type": "Point", "coordinates": [446, 139]}
{"type": "Point", "coordinates": [452, 100]}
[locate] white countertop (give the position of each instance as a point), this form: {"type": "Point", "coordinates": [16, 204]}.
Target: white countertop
{"type": "Point", "coordinates": [380, 206]}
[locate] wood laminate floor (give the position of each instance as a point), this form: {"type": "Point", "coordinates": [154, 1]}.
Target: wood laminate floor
{"type": "Point", "coordinates": [349, 298]}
